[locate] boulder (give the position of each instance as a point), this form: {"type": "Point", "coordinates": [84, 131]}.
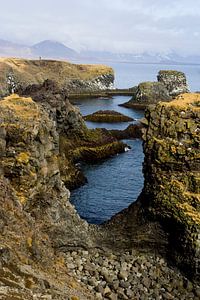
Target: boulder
{"type": "Point", "coordinates": [148, 93]}
{"type": "Point", "coordinates": [174, 81]}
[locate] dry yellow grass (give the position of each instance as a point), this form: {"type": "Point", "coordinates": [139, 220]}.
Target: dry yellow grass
{"type": "Point", "coordinates": [36, 71]}
{"type": "Point", "coordinates": [24, 108]}
{"type": "Point", "coordinates": [184, 100]}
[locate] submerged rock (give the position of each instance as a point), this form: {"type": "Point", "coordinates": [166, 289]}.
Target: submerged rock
{"type": "Point", "coordinates": [108, 116]}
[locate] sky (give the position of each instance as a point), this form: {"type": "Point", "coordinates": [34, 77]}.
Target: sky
{"type": "Point", "coordinates": [121, 26]}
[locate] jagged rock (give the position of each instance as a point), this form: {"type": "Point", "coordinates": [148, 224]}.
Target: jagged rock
{"type": "Point", "coordinates": [172, 171]}
{"type": "Point", "coordinates": [148, 93]}
{"type": "Point", "coordinates": [54, 100]}
{"type": "Point", "coordinates": [166, 216]}
{"type": "Point", "coordinates": [170, 83]}
{"type": "Point", "coordinates": [109, 116]}
{"type": "Point", "coordinates": [30, 162]}
{"type": "Point", "coordinates": [34, 205]}
{"type": "Point", "coordinates": [174, 81]}
{"type": "Point", "coordinates": [151, 92]}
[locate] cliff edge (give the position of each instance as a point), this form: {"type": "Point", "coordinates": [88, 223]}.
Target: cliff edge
{"type": "Point", "coordinates": [16, 75]}
{"type": "Point", "coordinates": [172, 175]}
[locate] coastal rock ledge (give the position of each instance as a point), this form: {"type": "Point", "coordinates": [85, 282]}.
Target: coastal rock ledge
{"type": "Point", "coordinates": [172, 176]}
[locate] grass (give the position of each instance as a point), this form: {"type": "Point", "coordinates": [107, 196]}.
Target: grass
{"type": "Point", "coordinates": [36, 71]}
{"type": "Point", "coordinates": [185, 101]}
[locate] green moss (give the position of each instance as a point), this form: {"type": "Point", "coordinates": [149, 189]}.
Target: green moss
{"type": "Point", "coordinates": [107, 116]}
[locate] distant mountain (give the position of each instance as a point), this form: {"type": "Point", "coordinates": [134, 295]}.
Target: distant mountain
{"type": "Point", "coordinates": [10, 49]}
{"type": "Point", "coordinates": [145, 57]}
{"type": "Point", "coordinates": [53, 49]}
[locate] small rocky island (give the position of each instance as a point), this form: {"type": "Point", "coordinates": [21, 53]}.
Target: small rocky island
{"type": "Point", "coordinates": [170, 84]}
{"type": "Point", "coordinates": [47, 250]}
{"type": "Point", "coordinates": [109, 116]}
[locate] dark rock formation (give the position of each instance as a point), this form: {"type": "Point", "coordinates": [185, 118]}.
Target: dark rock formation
{"type": "Point", "coordinates": [170, 84]}
{"type": "Point", "coordinates": [174, 81]}
{"type": "Point", "coordinates": [35, 208]}
{"type": "Point", "coordinates": [109, 116]}
{"type": "Point", "coordinates": [133, 131]}
{"type": "Point", "coordinates": [75, 140]}
{"type": "Point", "coordinates": [172, 169]}
{"type": "Point", "coordinates": [169, 205]}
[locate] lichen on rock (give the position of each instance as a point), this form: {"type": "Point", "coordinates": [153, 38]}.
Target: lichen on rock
{"type": "Point", "coordinates": [109, 116]}
{"type": "Point", "coordinates": [172, 172]}
{"type": "Point", "coordinates": [174, 81]}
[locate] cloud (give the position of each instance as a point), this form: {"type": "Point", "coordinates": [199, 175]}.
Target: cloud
{"type": "Point", "coordinates": [114, 25]}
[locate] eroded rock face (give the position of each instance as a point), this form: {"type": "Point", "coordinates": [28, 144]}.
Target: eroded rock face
{"type": "Point", "coordinates": [35, 207]}
{"type": "Point", "coordinates": [19, 74]}
{"type": "Point", "coordinates": [67, 117]}
{"type": "Point", "coordinates": [151, 92]}
{"type": "Point", "coordinates": [174, 81]}
{"type": "Point", "coordinates": [170, 84]}
{"type": "Point", "coordinates": [30, 160]}
{"type": "Point", "coordinates": [172, 172]}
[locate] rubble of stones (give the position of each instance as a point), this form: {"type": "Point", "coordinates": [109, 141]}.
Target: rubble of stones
{"type": "Point", "coordinates": [129, 276]}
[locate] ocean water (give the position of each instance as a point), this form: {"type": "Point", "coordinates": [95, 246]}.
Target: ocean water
{"type": "Point", "coordinates": [128, 74]}
{"type": "Point", "coordinates": [114, 183]}
{"type": "Point", "coordinates": [88, 106]}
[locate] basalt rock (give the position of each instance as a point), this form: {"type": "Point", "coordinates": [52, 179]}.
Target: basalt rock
{"type": "Point", "coordinates": [148, 93]}
{"type": "Point", "coordinates": [166, 216]}
{"type": "Point", "coordinates": [109, 116]}
{"type": "Point", "coordinates": [19, 74]}
{"type": "Point", "coordinates": [74, 136]}
{"type": "Point", "coordinates": [170, 83]}
{"type": "Point", "coordinates": [172, 172]}
{"type": "Point", "coordinates": [35, 207]}
{"type": "Point", "coordinates": [174, 81]}
{"type": "Point", "coordinates": [133, 131]}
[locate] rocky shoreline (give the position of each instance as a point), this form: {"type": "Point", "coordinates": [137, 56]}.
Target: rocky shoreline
{"type": "Point", "coordinates": [47, 250]}
{"type": "Point", "coordinates": [130, 275]}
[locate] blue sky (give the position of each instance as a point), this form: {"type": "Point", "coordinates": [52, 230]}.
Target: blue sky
{"type": "Point", "coordinates": [114, 25]}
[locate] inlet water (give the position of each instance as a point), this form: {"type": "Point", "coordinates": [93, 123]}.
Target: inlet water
{"type": "Point", "coordinates": [114, 183]}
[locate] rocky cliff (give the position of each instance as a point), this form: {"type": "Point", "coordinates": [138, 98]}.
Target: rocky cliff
{"type": "Point", "coordinates": [170, 84]}
{"type": "Point", "coordinates": [172, 173]}
{"type": "Point", "coordinates": [19, 74]}
{"type": "Point", "coordinates": [174, 81]}
{"type": "Point", "coordinates": [38, 223]}
{"type": "Point", "coordinates": [166, 216]}
{"type": "Point", "coordinates": [35, 207]}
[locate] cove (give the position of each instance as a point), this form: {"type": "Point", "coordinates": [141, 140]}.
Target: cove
{"type": "Point", "coordinates": [114, 183]}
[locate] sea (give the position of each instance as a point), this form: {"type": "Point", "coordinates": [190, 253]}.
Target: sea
{"type": "Point", "coordinates": [116, 182]}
